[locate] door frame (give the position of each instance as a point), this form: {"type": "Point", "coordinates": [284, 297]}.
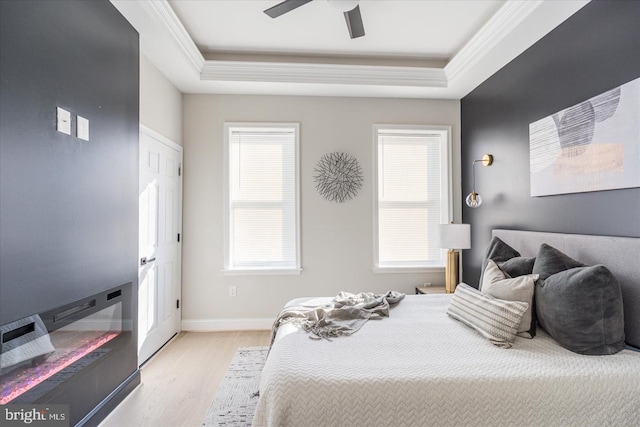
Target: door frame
{"type": "Point", "coordinates": [175, 146]}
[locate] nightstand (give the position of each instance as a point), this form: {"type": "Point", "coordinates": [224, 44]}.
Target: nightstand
{"type": "Point", "coordinates": [420, 290]}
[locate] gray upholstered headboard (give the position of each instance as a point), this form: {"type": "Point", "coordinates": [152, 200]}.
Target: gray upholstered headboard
{"type": "Point", "coordinates": [621, 255]}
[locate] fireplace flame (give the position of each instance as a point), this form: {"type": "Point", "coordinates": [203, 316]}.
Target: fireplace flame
{"type": "Point", "coordinates": [29, 378]}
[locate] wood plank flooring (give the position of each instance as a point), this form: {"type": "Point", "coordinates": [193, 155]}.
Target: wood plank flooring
{"type": "Point", "coordinates": [180, 381]}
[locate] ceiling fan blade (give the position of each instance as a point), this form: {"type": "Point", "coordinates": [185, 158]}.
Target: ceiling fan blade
{"type": "Point", "coordinates": [284, 7]}
{"type": "Point", "coordinates": [354, 22]}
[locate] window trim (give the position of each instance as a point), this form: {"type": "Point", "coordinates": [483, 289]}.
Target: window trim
{"type": "Point", "coordinates": [446, 195]}
{"type": "Point", "coordinates": [276, 270]}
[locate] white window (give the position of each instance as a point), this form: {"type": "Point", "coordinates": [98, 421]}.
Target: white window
{"type": "Point", "coordinates": [262, 198]}
{"type": "Point", "coordinates": [412, 196]}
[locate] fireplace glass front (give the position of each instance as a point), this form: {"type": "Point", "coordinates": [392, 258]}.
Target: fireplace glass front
{"type": "Point", "coordinates": [42, 352]}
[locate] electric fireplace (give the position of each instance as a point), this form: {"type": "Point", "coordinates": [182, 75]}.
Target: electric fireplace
{"type": "Point", "coordinates": [59, 356]}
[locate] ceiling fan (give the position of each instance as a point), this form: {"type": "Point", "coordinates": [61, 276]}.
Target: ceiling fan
{"type": "Point", "coordinates": [350, 8]}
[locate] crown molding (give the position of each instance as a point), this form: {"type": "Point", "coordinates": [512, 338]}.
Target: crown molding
{"type": "Point", "coordinates": [248, 71]}
{"type": "Point", "coordinates": [515, 27]}
{"type": "Point", "coordinates": [323, 73]}
{"type": "Point", "coordinates": [162, 10]}
{"type": "Point", "coordinates": [508, 17]}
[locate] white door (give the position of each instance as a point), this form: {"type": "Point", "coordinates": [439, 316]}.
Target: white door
{"type": "Point", "coordinates": [159, 247]}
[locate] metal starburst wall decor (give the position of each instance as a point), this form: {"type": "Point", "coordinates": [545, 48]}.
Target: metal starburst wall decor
{"type": "Point", "coordinates": [338, 177]}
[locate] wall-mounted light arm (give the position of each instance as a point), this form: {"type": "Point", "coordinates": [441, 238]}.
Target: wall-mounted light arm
{"type": "Point", "coordinates": [473, 199]}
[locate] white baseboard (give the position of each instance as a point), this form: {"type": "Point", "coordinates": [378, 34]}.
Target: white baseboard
{"type": "Point", "coordinates": [215, 325]}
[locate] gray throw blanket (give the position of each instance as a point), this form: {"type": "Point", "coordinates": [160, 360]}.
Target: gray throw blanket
{"type": "Point", "coordinates": [343, 316]}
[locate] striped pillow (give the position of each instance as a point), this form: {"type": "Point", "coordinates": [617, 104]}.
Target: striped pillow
{"type": "Point", "coordinates": [495, 319]}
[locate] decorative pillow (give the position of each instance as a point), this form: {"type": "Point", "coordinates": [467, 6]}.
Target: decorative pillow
{"type": "Point", "coordinates": [495, 319]}
{"type": "Point", "coordinates": [499, 285]}
{"type": "Point", "coordinates": [518, 266]}
{"type": "Point", "coordinates": [579, 306]}
{"type": "Point", "coordinates": [498, 251]}
{"type": "Point", "coordinates": [551, 261]}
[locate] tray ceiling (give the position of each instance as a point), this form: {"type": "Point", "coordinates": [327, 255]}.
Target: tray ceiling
{"type": "Point", "coordinates": [411, 49]}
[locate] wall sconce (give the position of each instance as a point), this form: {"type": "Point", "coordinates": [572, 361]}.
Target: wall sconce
{"type": "Point", "coordinates": [473, 199]}
{"type": "Point", "coordinates": [453, 236]}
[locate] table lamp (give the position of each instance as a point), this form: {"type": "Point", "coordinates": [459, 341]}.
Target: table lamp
{"type": "Point", "coordinates": [453, 236]}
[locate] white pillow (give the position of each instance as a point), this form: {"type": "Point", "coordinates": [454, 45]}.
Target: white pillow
{"type": "Point", "coordinates": [498, 284]}
{"type": "Point", "coordinates": [495, 319]}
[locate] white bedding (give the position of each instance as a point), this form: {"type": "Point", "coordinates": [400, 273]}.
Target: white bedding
{"type": "Point", "coordinates": [419, 367]}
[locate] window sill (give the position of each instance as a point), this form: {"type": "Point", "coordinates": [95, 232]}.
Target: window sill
{"type": "Point", "coordinates": [408, 270]}
{"type": "Point", "coordinates": [263, 272]}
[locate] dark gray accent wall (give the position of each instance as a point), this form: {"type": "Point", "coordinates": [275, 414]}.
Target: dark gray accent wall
{"type": "Point", "coordinates": [68, 208]}
{"type": "Point", "coordinates": [595, 50]}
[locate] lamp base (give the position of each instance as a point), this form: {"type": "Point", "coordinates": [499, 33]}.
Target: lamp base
{"type": "Point", "coordinates": [451, 273]}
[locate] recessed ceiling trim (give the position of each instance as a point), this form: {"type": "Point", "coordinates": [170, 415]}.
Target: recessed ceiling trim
{"type": "Point", "coordinates": [516, 26]}
{"type": "Point", "coordinates": [323, 73]}
{"type": "Point", "coordinates": [508, 17]}
{"type": "Point", "coordinates": [163, 11]}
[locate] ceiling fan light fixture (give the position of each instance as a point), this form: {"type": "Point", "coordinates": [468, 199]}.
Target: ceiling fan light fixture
{"type": "Point", "coordinates": [349, 8]}
{"type": "Point", "coordinates": [343, 5]}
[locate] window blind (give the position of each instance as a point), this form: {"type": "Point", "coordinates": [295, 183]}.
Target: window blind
{"type": "Point", "coordinates": [262, 216]}
{"type": "Point", "coordinates": [411, 196]}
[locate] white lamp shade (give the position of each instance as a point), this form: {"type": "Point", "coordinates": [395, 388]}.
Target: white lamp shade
{"type": "Point", "coordinates": [454, 236]}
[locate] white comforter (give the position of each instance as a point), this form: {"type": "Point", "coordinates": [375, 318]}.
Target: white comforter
{"type": "Point", "coordinates": [420, 367]}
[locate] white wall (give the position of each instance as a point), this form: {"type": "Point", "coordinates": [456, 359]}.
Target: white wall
{"type": "Point", "coordinates": [337, 239]}
{"type": "Point", "coordinates": [160, 102]}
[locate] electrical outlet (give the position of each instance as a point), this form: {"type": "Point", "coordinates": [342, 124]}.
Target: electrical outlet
{"type": "Point", "coordinates": [233, 291]}
{"type": "Point", "coordinates": [426, 284]}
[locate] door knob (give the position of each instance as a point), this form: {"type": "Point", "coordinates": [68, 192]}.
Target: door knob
{"type": "Point", "coordinates": [145, 261]}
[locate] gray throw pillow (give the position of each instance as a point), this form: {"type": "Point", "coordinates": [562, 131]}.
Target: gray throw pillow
{"type": "Point", "coordinates": [517, 266]}
{"type": "Point", "coordinates": [579, 306]}
{"type": "Point", "coordinates": [498, 251]}
{"type": "Point", "coordinates": [551, 261]}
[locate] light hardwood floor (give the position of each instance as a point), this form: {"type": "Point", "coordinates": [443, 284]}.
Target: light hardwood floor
{"type": "Point", "coordinates": [180, 381]}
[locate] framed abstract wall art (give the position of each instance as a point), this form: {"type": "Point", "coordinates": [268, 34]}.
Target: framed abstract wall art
{"type": "Point", "coordinates": [591, 146]}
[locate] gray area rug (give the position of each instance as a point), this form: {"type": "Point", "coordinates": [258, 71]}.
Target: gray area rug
{"type": "Point", "coordinates": [237, 395]}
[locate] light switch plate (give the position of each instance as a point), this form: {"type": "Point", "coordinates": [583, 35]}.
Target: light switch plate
{"type": "Point", "coordinates": [82, 128]}
{"type": "Point", "coordinates": [64, 121]}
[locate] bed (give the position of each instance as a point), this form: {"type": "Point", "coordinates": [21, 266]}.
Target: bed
{"type": "Point", "coordinates": [422, 367]}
